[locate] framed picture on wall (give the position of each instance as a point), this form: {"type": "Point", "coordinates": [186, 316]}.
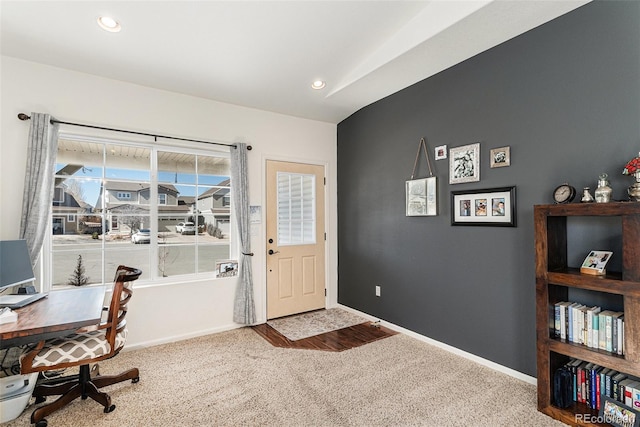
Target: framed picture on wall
{"type": "Point", "coordinates": [464, 164]}
{"type": "Point", "coordinates": [493, 207]}
{"type": "Point", "coordinates": [441, 152]}
{"type": "Point", "coordinates": [421, 197]}
{"type": "Point", "coordinates": [500, 157]}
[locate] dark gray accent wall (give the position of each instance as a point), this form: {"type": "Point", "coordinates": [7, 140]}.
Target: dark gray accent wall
{"type": "Point", "coordinates": [565, 97]}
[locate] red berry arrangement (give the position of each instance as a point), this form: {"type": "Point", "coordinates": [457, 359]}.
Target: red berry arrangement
{"type": "Point", "coordinates": [632, 167]}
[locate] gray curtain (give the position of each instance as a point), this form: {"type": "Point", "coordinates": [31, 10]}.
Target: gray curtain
{"type": "Point", "coordinates": [244, 310]}
{"type": "Point", "coordinates": [38, 182]}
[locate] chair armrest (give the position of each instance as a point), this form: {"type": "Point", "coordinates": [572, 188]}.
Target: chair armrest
{"type": "Point", "coordinates": [26, 360]}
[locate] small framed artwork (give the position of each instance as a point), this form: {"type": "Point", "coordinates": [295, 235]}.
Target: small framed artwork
{"type": "Point", "coordinates": [441, 152]}
{"type": "Point", "coordinates": [595, 263]}
{"type": "Point", "coordinates": [493, 207]}
{"type": "Point", "coordinates": [464, 164]}
{"type": "Point", "coordinates": [227, 268]}
{"type": "Point", "coordinates": [421, 197]}
{"type": "Point", "coordinates": [500, 157]}
{"type": "Point", "coordinates": [617, 414]}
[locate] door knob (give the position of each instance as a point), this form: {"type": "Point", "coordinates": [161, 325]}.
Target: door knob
{"type": "Point", "coordinates": [271, 252]}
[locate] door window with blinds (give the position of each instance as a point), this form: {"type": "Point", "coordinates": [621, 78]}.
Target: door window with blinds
{"type": "Point", "coordinates": [296, 209]}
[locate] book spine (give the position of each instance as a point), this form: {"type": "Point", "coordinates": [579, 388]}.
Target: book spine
{"type": "Point", "coordinates": [609, 332]}
{"type": "Point", "coordinates": [598, 390]}
{"type": "Point", "coordinates": [570, 326]}
{"type": "Point", "coordinates": [602, 345]}
{"type": "Point", "coordinates": [594, 387]}
{"type": "Point", "coordinates": [582, 324]}
{"type": "Point", "coordinates": [589, 340]}
{"type": "Point", "coordinates": [614, 335]}
{"type": "Point", "coordinates": [556, 317]}
{"type": "Point", "coordinates": [636, 398]}
{"type": "Point", "coordinates": [621, 335]}
{"type": "Point", "coordinates": [594, 339]}
{"type": "Point", "coordinates": [628, 396]}
{"type": "Point", "coordinates": [567, 309]}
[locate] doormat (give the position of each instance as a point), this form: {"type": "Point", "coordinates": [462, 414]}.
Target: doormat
{"type": "Point", "coordinates": [314, 323]}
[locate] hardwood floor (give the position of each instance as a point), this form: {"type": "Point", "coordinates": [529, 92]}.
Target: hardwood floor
{"type": "Point", "coordinates": [339, 340]}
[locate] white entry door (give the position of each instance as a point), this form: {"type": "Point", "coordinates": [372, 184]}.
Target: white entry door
{"type": "Point", "coordinates": [295, 238]}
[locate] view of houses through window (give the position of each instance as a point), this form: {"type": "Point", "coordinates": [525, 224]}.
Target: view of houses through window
{"type": "Point", "coordinates": [164, 211]}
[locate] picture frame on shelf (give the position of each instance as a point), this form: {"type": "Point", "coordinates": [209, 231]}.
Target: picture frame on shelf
{"type": "Point", "coordinates": [441, 152]}
{"type": "Point", "coordinates": [421, 197]}
{"type": "Point", "coordinates": [227, 268]}
{"type": "Point", "coordinates": [617, 413]}
{"type": "Point", "coordinates": [596, 262]}
{"type": "Point", "coordinates": [500, 157]}
{"type": "Point", "coordinates": [464, 164]}
{"type": "Point", "coordinates": [494, 207]}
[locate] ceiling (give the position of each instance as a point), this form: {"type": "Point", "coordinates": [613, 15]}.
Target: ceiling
{"type": "Point", "coordinates": [265, 54]}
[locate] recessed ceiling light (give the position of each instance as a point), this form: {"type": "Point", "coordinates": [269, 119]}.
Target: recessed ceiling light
{"type": "Point", "coordinates": [318, 84]}
{"type": "Point", "coordinates": [109, 24]}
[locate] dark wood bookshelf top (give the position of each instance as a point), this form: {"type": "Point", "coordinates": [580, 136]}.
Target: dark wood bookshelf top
{"type": "Point", "coordinates": [591, 209]}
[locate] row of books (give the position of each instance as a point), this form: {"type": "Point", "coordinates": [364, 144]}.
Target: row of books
{"type": "Point", "coordinates": [591, 382]}
{"type": "Point", "coordinates": [590, 326]}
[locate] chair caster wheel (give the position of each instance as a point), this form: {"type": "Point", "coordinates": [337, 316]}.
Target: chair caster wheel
{"type": "Point", "coordinates": [41, 423]}
{"type": "Point", "coordinates": [135, 380]}
{"type": "Point", "coordinates": [109, 409]}
{"type": "Point", "coordinates": [40, 399]}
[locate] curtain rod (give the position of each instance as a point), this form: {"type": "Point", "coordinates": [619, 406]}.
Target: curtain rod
{"type": "Point", "coordinates": [23, 117]}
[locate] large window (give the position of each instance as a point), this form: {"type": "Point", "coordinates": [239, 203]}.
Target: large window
{"type": "Point", "coordinates": [157, 209]}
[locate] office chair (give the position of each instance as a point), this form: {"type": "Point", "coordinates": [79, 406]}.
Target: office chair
{"type": "Point", "coordinates": [88, 345]}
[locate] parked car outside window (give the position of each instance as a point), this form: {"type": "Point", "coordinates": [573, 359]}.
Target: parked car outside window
{"type": "Point", "coordinates": [142, 236]}
{"type": "Point", "coordinates": [186, 228]}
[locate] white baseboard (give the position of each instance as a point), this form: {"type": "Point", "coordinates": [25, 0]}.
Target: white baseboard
{"type": "Point", "coordinates": [485, 362]}
{"type": "Point", "coordinates": [167, 340]}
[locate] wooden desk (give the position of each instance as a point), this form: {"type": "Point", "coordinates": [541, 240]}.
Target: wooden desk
{"type": "Point", "coordinates": [57, 315]}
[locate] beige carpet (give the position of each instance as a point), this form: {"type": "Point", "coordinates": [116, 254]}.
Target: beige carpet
{"type": "Point", "coordinates": [314, 323]}
{"type": "Point", "coordinates": [237, 379]}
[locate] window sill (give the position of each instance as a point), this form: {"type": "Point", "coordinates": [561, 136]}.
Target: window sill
{"type": "Point", "coordinates": [166, 281]}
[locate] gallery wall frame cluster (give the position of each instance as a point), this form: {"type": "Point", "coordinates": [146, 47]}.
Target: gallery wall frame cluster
{"type": "Point", "coordinates": [477, 207]}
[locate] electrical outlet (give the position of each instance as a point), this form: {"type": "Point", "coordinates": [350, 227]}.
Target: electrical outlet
{"type": "Point", "coordinates": [377, 291]}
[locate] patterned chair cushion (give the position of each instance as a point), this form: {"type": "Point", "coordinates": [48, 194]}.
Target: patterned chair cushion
{"type": "Point", "coordinates": [76, 348]}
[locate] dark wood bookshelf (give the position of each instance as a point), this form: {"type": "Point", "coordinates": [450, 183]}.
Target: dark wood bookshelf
{"type": "Point", "coordinates": [554, 278]}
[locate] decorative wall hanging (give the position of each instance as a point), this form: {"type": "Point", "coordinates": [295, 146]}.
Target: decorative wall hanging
{"type": "Point", "coordinates": [421, 197]}
{"type": "Point", "coordinates": [493, 206]}
{"type": "Point", "coordinates": [464, 164]}
{"type": "Point", "coordinates": [500, 157]}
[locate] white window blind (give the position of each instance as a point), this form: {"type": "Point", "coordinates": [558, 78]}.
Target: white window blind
{"type": "Point", "coordinates": [296, 209]}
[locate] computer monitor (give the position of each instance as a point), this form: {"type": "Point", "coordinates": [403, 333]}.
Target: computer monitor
{"type": "Point", "coordinates": [16, 270]}
{"type": "Point", "coordinates": [15, 264]}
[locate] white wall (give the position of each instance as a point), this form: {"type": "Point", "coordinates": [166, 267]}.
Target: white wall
{"type": "Point", "coordinates": [167, 312]}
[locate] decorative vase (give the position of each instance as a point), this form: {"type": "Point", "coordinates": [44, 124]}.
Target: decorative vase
{"type": "Point", "coordinates": [586, 195]}
{"type": "Point", "coordinates": [603, 192]}
{"type": "Point", "coordinates": [634, 189]}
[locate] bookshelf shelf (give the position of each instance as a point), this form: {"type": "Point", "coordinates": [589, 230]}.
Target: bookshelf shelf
{"type": "Point", "coordinates": [554, 278]}
{"type": "Point", "coordinates": [611, 283]}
